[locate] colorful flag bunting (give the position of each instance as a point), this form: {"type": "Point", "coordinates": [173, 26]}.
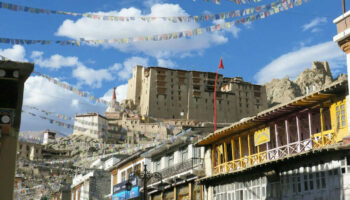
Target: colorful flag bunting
{"type": "Point", "coordinates": [271, 9]}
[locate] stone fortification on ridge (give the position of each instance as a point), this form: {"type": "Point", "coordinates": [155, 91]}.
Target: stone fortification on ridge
{"type": "Point", "coordinates": [285, 90]}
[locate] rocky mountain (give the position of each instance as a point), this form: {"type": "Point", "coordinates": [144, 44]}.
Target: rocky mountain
{"type": "Point", "coordinates": [284, 90]}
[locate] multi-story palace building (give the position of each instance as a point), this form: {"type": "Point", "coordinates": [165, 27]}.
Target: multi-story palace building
{"type": "Point", "coordinates": [179, 94]}
{"type": "Point", "coordinates": [298, 150]}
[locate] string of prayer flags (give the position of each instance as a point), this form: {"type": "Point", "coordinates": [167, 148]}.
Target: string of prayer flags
{"type": "Point", "coordinates": [63, 124]}
{"type": "Point", "coordinates": [65, 117]}
{"type": "Point", "coordinates": [72, 89]}
{"type": "Point", "coordinates": [175, 19]}
{"type": "Point", "coordinates": [93, 158]}
{"type": "Point", "coordinates": [235, 1]}
{"type": "Point", "coordinates": [270, 10]}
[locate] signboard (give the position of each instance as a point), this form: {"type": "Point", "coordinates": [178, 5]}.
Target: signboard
{"type": "Point", "coordinates": [124, 195]}
{"type": "Point", "coordinates": [120, 192]}
{"type": "Point", "coordinates": [262, 136]}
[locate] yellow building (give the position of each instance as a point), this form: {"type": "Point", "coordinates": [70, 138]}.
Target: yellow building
{"type": "Point", "coordinates": [291, 151]}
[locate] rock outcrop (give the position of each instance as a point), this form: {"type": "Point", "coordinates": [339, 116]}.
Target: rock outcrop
{"type": "Point", "coordinates": [315, 78]}
{"type": "Point", "coordinates": [284, 90]}
{"type": "Point", "coordinates": [281, 90]}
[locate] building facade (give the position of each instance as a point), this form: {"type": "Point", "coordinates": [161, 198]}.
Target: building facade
{"type": "Point", "coordinates": [90, 186]}
{"type": "Point", "coordinates": [49, 137]}
{"type": "Point", "coordinates": [298, 150]}
{"type": "Point", "coordinates": [29, 150]}
{"type": "Point", "coordinates": [179, 94]}
{"type": "Point", "coordinates": [90, 124]}
{"type": "Point", "coordinates": [127, 171]}
{"type": "Point", "coordinates": [179, 164]}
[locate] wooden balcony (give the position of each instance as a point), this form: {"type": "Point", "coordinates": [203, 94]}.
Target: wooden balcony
{"type": "Point", "coordinates": [318, 140]}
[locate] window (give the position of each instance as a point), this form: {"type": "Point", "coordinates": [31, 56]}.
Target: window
{"type": "Point", "coordinates": [323, 179]}
{"type": "Point", "coordinates": [340, 111]}
{"type": "Point", "coordinates": [196, 155]}
{"type": "Point", "coordinates": [184, 154]}
{"type": "Point", "coordinates": [157, 165]}
{"type": "Point", "coordinates": [123, 176]}
{"type": "Point", "coordinates": [129, 173]}
{"type": "Point", "coordinates": [229, 151]}
{"type": "Point", "coordinates": [170, 160]}
{"type": "Point", "coordinates": [137, 169]}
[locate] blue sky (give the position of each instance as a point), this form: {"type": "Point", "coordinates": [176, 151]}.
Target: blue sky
{"type": "Point", "coordinates": [278, 46]}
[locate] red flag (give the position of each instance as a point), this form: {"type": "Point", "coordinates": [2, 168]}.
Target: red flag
{"type": "Point", "coordinates": [221, 65]}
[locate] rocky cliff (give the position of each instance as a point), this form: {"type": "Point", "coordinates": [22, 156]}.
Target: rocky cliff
{"type": "Point", "coordinates": [283, 90]}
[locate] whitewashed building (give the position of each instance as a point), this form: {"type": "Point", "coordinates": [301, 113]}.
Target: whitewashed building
{"type": "Point", "coordinates": [92, 185]}
{"type": "Point", "coordinates": [90, 124]}
{"type": "Point", "coordinates": [180, 164]}
{"type": "Point", "coordinates": [127, 170]}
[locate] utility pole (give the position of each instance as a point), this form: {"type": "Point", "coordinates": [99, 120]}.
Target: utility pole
{"type": "Point", "coordinates": [12, 78]}
{"type": "Point", "coordinates": [344, 9]}
{"type": "Point", "coordinates": [146, 176]}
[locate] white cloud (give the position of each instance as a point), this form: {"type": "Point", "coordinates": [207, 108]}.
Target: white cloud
{"type": "Point", "coordinates": [121, 91]}
{"type": "Point", "coordinates": [292, 63]}
{"type": "Point", "coordinates": [115, 67]}
{"type": "Point", "coordinates": [16, 53]}
{"type": "Point", "coordinates": [91, 29]}
{"type": "Point", "coordinates": [234, 30]}
{"type": "Point", "coordinates": [55, 61]}
{"type": "Point", "coordinates": [314, 23]}
{"type": "Point", "coordinates": [166, 63]}
{"type": "Point", "coordinates": [85, 75]}
{"type": "Point", "coordinates": [129, 64]}
{"type": "Point", "coordinates": [91, 76]}
{"type": "Point", "coordinates": [75, 103]}
{"type": "Point", "coordinates": [150, 3]}
{"type": "Point", "coordinates": [41, 93]}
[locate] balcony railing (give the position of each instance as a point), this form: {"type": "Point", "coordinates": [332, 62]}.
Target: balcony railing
{"type": "Point", "coordinates": [190, 164]}
{"type": "Point", "coordinates": [318, 140]}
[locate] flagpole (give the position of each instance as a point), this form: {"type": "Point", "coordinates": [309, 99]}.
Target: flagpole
{"type": "Point", "coordinates": [216, 79]}
{"type": "Point", "coordinates": [221, 65]}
